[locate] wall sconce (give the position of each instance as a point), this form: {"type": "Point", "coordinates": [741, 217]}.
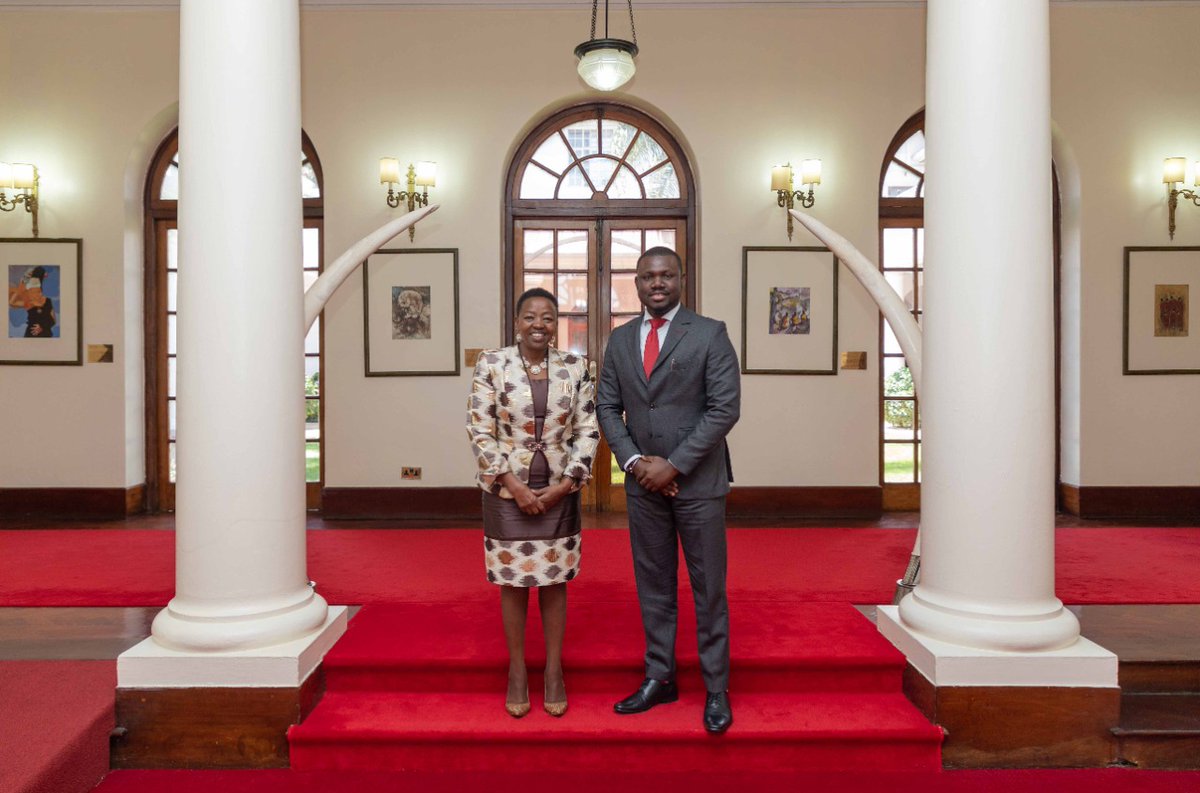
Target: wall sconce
{"type": "Point", "coordinates": [23, 177]}
{"type": "Point", "coordinates": [781, 183]}
{"type": "Point", "coordinates": [423, 175]}
{"type": "Point", "coordinates": [1174, 172]}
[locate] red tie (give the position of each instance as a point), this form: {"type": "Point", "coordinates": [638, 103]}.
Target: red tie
{"type": "Point", "coordinates": [651, 353]}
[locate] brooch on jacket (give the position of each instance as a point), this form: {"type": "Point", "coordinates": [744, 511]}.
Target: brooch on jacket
{"type": "Point", "coordinates": [536, 446]}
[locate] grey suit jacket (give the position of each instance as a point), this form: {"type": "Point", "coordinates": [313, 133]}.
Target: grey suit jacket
{"type": "Point", "coordinates": [683, 411]}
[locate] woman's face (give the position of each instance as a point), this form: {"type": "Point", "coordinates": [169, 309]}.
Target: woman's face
{"type": "Point", "coordinates": [536, 323]}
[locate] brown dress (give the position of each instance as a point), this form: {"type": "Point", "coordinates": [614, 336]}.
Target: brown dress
{"type": "Point", "coordinates": [532, 550]}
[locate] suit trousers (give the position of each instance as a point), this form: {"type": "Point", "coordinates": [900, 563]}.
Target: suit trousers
{"type": "Point", "coordinates": [657, 526]}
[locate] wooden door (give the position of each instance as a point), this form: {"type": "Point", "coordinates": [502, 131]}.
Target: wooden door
{"type": "Point", "coordinates": [589, 265]}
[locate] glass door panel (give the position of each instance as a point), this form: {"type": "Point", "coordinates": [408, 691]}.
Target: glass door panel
{"type": "Point", "coordinates": [624, 242]}
{"type": "Point", "coordinates": [589, 266]}
{"type": "Point", "coordinates": [168, 236]}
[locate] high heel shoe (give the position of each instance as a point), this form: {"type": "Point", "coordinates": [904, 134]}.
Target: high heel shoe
{"type": "Point", "coordinates": [518, 709]}
{"type": "Point", "coordinates": [555, 709]}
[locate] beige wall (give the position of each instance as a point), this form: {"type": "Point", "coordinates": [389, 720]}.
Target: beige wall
{"type": "Point", "coordinates": [1124, 105]}
{"type": "Point", "coordinates": [744, 88]}
{"type": "Point", "coordinates": [78, 92]}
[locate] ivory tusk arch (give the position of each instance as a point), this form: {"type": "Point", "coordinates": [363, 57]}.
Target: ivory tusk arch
{"type": "Point", "coordinates": [322, 289]}
{"type": "Point", "coordinates": [903, 324]}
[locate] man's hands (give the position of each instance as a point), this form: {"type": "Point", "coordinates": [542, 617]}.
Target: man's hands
{"type": "Point", "coordinates": [657, 475]}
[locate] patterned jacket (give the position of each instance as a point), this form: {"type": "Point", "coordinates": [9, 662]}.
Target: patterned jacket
{"type": "Point", "coordinates": [501, 425]}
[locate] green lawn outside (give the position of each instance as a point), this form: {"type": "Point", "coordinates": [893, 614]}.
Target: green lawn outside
{"type": "Point", "coordinates": [312, 461]}
{"type": "Point", "coordinates": [897, 462]}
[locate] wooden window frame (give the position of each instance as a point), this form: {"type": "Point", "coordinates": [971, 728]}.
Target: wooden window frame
{"type": "Point", "coordinates": [160, 215]}
{"type": "Point", "coordinates": [517, 208]}
{"type": "Point", "coordinates": [602, 215]}
{"type": "Point", "coordinates": [910, 213]}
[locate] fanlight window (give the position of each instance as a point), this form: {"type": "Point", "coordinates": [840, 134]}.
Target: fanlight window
{"type": "Point", "coordinates": [600, 157]}
{"type": "Point", "coordinates": [905, 177]}
{"type": "Point", "coordinates": [308, 180]}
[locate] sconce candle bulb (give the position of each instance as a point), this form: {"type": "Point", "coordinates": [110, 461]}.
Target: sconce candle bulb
{"type": "Point", "coordinates": [782, 184]}
{"type": "Point", "coordinates": [22, 177]}
{"type": "Point", "coordinates": [810, 172]}
{"type": "Point", "coordinates": [423, 174]}
{"type": "Point", "coordinates": [1174, 172]}
{"type": "Point", "coordinates": [427, 174]}
{"type": "Point", "coordinates": [389, 170]}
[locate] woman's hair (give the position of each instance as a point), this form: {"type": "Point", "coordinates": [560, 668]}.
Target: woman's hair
{"type": "Point", "coordinates": [536, 291]}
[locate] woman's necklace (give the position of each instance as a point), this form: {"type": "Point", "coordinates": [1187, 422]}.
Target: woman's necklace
{"type": "Point", "coordinates": [533, 368]}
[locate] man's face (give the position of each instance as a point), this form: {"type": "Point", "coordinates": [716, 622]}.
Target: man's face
{"type": "Point", "coordinates": [658, 284]}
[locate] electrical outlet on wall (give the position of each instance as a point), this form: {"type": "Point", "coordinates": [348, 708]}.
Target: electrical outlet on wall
{"type": "Point", "coordinates": [410, 472]}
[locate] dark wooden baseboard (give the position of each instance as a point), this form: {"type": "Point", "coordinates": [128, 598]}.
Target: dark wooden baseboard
{"type": "Point", "coordinates": [1019, 726]}
{"type": "Point", "coordinates": [463, 503]}
{"type": "Point", "coordinates": [209, 727]}
{"type": "Point", "coordinates": [416, 503]}
{"type": "Point", "coordinates": [1131, 502]}
{"type": "Point", "coordinates": [772, 502]}
{"type": "Point", "coordinates": [89, 503]}
{"type": "Point", "coordinates": [1069, 497]}
{"type": "Point", "coordinates": [135, 500]}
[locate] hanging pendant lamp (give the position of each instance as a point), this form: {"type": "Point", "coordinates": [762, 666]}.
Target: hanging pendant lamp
{"type": "Point", "coordinates": [607, 64]}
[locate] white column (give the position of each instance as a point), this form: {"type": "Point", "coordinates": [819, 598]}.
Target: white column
{"type": "Point", "coordinates": [241, 579]}
{"type": "Point", "coordinates": [987, 578]}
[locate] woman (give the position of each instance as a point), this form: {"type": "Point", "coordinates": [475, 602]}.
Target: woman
{"type": "Point", "coordinates": [40, 318]}
{"type": "Point", "coordinates": [532, 422]}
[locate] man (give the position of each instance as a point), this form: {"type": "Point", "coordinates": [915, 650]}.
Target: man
{"type": "Point", "coordinates": [669, 393]}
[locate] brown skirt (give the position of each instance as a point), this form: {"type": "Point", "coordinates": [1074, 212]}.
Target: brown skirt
{"type": "Point", "coordinates": [531, 550]}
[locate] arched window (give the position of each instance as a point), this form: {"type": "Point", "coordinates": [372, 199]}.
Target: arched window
{"type": "Point", "coordinates": [588, 191]}
{"type": "Point", "coordinates": [902, 259]}
{"type": "Point", "coordinates": [162, 269]}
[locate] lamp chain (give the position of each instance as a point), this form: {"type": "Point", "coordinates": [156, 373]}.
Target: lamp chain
{"type": "Point", "coordinates": [595, 8]}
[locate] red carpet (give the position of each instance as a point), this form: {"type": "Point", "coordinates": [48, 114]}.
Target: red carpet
{"type": "Point", "coordinates": [136, 567]}
{"type": "Point", "coordinates": [459, 647]}
{"type": "Point", "coordinates": [1108, 780]}
{"type": "Point", "coordinates": [54, 724]}
{"type": "Point", "coordinates": [420, 687]}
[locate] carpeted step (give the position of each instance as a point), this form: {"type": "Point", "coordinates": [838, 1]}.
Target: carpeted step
{"type": "Point", "coordinates": [784, 647]}
{"type": "Point", "coordinates": [471, 732]}
{"type": "Point", "coordinates": [55, 719]}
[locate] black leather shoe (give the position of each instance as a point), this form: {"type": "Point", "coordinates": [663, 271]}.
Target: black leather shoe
{"type": "Point", "coordinates": [718, 716]}
{"type": "Point", "coordinates": [650, 693]}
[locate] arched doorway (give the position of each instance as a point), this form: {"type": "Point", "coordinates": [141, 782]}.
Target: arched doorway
{"type": "Point", "coordinates": [161, 272]}
{"type": "Point", "coordinates": [591, 188]}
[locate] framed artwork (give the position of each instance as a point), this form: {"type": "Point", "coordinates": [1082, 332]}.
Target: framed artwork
{"type": "Point", "coordinates": [789, 310]}
{"type": "Point", "coordinates": [1160, 337]}
{"type": "Point", "coordinates": [45, 302]}
{"type": "Point", "coordinates": [410, 313]}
